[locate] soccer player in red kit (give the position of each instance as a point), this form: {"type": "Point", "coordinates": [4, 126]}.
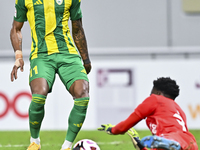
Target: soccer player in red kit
{"type": "Point", "coordinates": [164, 118]}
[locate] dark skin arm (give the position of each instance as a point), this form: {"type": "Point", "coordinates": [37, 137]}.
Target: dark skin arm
{"type": "Point", "coordinates": [81, 43]}
{"type": "Point", "coordinates": [16, 41]}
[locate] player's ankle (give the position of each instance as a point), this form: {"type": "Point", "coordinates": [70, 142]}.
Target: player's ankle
{"type": "Point", "coordinates": [35, 140]}
{"type": "Point", "coordinates": [66, 144]}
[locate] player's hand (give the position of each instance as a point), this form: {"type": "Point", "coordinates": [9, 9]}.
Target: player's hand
{"type": "Point", "coordinates": [135, 138]}
{"type": "Point", "coordinates": [106, 127]}
{"type": "Point", "coordinates": [18, 64]}
{"type": "Point", "coordinates": [87, 67]}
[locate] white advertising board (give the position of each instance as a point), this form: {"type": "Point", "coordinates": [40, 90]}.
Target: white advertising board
{"type": "Point", "coordinates": [116, 88]}
{"type": "Point", "coordinates": [185, 72]}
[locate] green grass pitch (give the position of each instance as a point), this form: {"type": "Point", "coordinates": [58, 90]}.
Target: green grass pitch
{"type": "Point", "coordinates": [52, 140]}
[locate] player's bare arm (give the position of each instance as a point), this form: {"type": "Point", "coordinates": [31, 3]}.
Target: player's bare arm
{"type": "Point", "coordinates": [81, 43]}
{"type": "Point", "coordinates": [16, 40]}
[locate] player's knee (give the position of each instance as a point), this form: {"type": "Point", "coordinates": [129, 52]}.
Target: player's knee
{"type": "Point", "coordinates": [39, 86]}
{"type": "Point", "coordinates": [79, 89]}
{"type": "Point", "coordinates": [40, 91]}
{"type": "Point", "coordinates": [81, 93]}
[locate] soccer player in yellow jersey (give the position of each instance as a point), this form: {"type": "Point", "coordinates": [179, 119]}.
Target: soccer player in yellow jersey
{"type": "Point", "coordinates": [53, 51]}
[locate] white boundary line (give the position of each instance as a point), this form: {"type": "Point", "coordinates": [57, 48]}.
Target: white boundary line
{"type": "Point", "coordinates": [43, 145]}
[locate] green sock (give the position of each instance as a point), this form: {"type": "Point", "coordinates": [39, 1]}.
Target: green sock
{"type": "Point", "coordinates": [36, 114]}
{"type": "Point", "coordinates": [76, 118]}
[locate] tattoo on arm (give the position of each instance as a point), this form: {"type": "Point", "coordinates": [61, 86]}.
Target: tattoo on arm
{"type": "Point", "coordinates": [20, 42]}
{"type": "Point", "coordinates": [79, 38]}
{"type": "Point", "coordinates": [16, 35]}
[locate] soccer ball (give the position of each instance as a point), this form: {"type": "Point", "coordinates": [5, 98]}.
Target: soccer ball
{"type": "Point", "coordinates": [86, 144]}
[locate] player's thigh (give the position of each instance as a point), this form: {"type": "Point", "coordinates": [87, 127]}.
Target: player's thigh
{"type": "Point", "coordinates": [42, 68]}
{"type": "Point", "coordinates": [71, 72]}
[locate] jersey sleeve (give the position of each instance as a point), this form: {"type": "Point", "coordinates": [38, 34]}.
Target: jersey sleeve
{"type": "Point", "coordinates": [147, 107]}
{"type": "Point", "coordinates": [123, 126]}
{"type": "Point", "coordinates": [20, 11]}
{"type": "Point", "coordinates": [75, 10]}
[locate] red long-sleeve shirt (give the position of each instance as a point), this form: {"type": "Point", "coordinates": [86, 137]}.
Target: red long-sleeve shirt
{"type": "Point", "coordinates": [164, 117]}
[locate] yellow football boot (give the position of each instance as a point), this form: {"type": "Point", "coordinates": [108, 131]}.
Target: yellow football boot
{"type": "Point", "coordinates": [34, 146]}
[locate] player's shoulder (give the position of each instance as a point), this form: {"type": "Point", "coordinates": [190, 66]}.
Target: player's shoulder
{"type": "Point", "coordinates": [161, 97]}
{"type": "Point", "coordinates": [154, 96]}
{"type": "Point", "coordinates": [76, 2]}
{"type": "Point", "coordinates": [151, 99]}
{"type": "Point", "coordinates": [20, 2]}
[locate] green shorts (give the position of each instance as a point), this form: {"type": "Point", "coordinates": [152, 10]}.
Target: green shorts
{"type": "Point", "coordinates": [68, 67]}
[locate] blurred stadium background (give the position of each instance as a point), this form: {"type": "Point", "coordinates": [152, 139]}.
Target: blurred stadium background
{"type": "Point", "coordinates": [131, 43]}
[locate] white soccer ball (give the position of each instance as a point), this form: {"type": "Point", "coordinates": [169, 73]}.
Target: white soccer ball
{"type": "Point", "coordinates": [86, 144]}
